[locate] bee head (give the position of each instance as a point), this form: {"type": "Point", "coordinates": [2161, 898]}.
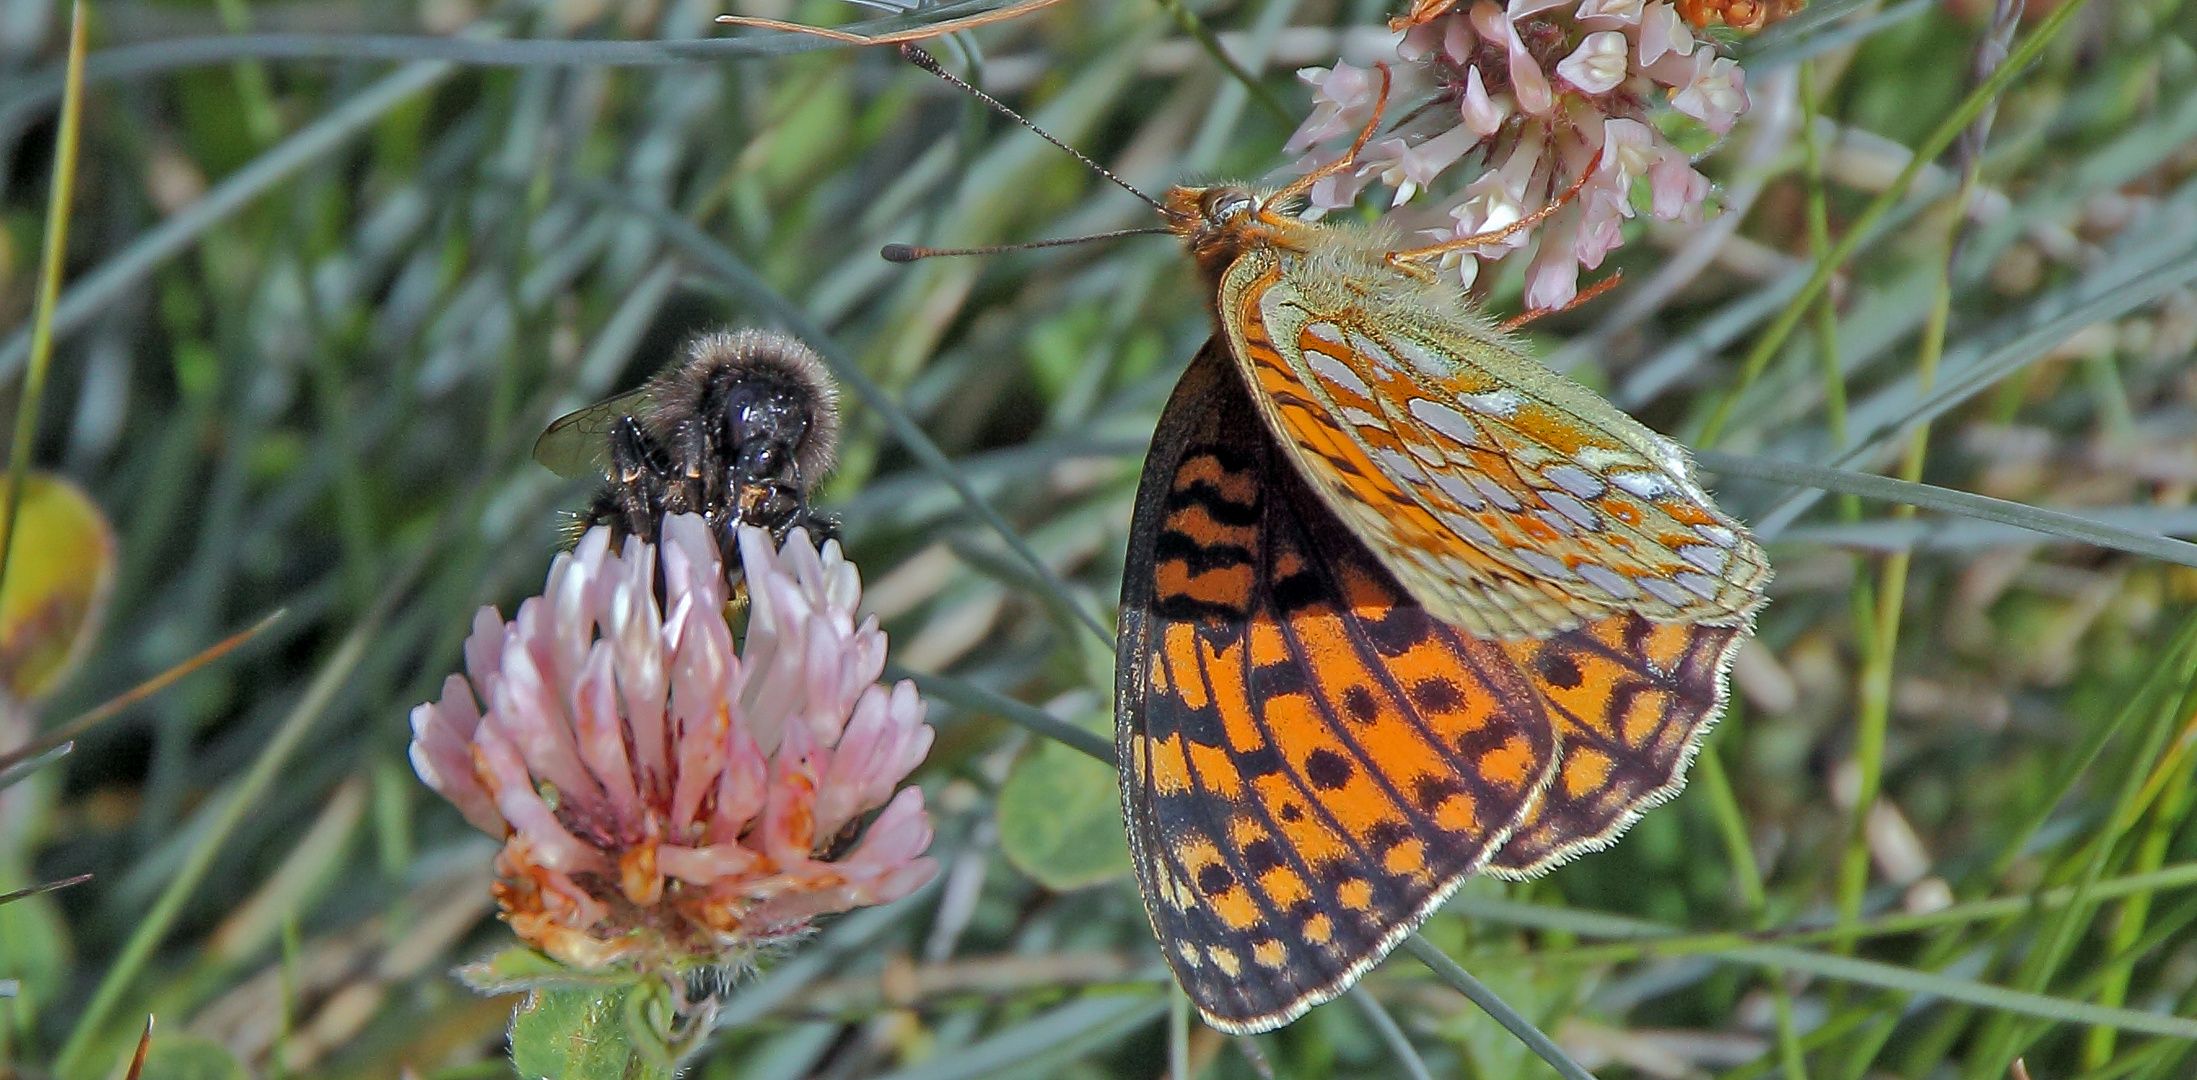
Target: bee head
{"type": "Point", "coordinates": [770, 401]}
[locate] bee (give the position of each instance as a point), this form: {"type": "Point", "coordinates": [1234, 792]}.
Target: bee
{"type": "Point", "coordinates": [739, 429]}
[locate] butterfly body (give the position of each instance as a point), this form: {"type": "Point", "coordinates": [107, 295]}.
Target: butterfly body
{"type": "Point", "coordinates": [1401, 606]}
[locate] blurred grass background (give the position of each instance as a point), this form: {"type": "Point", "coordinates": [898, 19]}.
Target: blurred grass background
{"type": "Point", "coordinates": [328, 283]}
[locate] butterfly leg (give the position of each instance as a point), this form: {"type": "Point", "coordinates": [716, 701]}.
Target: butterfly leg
{"type": "Point", "coordinates": [1422, 12]}
{"type": "Point", "coordinates": [1493, 236]}
{"type": "Point", "coordinates": [1584, 295]}
{"type": "Point", "coordinates": [1304, 183]}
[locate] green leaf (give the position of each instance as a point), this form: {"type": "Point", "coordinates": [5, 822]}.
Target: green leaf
{"type": "Point", "coordinates": [190, 1057]}
{"type": "Point", "coordinates": [579, 1034]}
{"type": "Point", "coordinates": [520, 968]}
{"type": "Point", "coordinates": [1060, 819]}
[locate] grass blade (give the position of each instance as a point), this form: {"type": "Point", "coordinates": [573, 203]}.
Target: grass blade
{"type": "Point", "coordinates": [129, 269]}
{"type": "Point", "coordinates": [1859, 229]}
{"type": "Point", "coordinates": [1391, 1033]}
{"type": "Point", "coordinates": [60, 197]}
{"type": "Point", "coordinates": [1842, 968]}
{"type": "Point", "coordinates": [1453, 973]}
{"type": "Point", "coordinates": [1053, 1036]}
{"type": "Point", "coordinates": [1931, 497]}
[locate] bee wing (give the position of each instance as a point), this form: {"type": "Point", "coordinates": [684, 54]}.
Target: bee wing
{"type": "Point", "coordinates": [577, 444]}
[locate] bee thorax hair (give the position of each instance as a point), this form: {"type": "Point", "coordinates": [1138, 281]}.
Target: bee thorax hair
{"type": "Point", "coordinates": [753, 358]}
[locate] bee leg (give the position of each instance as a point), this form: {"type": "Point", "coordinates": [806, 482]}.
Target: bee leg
{"type": "Point", "coordinates": [633, 481]}
{"type": "Point", "coordinates": [786, 507]}
{"type": "Point", "coordinates": [690, 453]}
{"type": "Point", "coordinates": [821, 526]}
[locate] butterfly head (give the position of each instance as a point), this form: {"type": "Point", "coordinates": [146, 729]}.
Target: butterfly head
{"type": "Point", "coordinates": [1217, 223]}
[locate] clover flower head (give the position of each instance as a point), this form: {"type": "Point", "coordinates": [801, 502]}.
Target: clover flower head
{"type": "Point", "coordinates": [1536, 95]}
{"type": "Point", "coordinates": [1342, 100]}
{"type": "Point", "coordinates": [665, 799]}
{"type": "Point", "coordinates": [1715, 92]}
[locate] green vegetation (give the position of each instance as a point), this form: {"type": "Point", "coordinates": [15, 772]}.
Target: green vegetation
{"type": "Point", "coordinates": [331, 266]}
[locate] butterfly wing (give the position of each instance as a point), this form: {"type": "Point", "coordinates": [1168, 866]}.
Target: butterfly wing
{"type": "Point", "coordinates": [577, 445]}
{"type": "Point", "coordinates": [1507, 498]}
{"type": "Point", "coordinates": [1631, 700]}
{"type": "Point", "coordinates": [1310, 760]}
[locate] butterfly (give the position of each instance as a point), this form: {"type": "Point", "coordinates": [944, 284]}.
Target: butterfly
{"type": "Point", "coordinates": [1401, 605]}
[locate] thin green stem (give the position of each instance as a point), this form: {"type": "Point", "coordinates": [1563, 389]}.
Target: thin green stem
{"type": "Point", "coordinates": [1882, 644]}
{"type": "Point", "coordinates": [1861, 596]}
{"type": "Point", "coordinates": [60, 196]}
{"type": "Point", "coordinates": [1940, 138]}
{"type": "Point", "coordinates": [261, 120]}
{"type": "Point", "coordinates": [1710, 776]}
{"type": "Point", "coordinates": [1178, 1033]}
{"type": "Point", "coordinates": [1819, 248]}
{"type": "Point", "coordinates": [2135, 911]}
{"type": "Point", "coordinates": [1453, 973]}
{"type": "Point", "coordinates": [1194, 26]}
{"type": "Point", "coordinates": [1731, 825]}
{"type": "Point", "coordinates": [1391, 1033]}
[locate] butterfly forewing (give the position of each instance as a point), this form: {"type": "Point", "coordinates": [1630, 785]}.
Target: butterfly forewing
{"type": "Point", "coordinates": [576, 445]}
{"type": "Point", "coordinates": [1311, 761]}
{"type": "Point", "coordinates": [1510, 500]}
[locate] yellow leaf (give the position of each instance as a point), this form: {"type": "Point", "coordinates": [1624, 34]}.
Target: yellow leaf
{"type": "Point", "coordinates": [59, 575]}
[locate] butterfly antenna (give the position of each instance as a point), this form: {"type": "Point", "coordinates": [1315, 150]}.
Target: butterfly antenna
{"type": "Point", "coordinates": [908, 253]}
{"type": "Point", "coordinates": [930, 63]}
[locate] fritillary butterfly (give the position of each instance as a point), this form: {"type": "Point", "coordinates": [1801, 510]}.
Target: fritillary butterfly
{"type": "Point", "coordinates": [1401, 605]}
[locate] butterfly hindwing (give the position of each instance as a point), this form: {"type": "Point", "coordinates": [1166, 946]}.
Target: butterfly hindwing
{"type": "Point", "coordinates": [1310, 760]}
{"type": "Point", "coordinates": [1631, 700]}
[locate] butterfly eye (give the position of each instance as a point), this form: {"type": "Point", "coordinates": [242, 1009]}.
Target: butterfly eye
{"type": "Point", "coordinates": [1223, 205]}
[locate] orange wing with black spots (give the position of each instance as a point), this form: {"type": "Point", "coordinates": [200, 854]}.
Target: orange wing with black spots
{"type": "Point", "coordinates": [1310, 762]}
{"type": "Point", "coordinates": [1631, 700]}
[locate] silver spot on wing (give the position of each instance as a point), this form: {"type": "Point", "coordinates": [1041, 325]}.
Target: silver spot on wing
{"type": "Point", "coordinates": [1496, 493]}
{"type": "Point", "coordinates": [1339, 373]}
{"type": "Point", "coordinates": [1666, 592]}
{"type": "Point", "coordinates": [1575, 480]}
{"type": "Point", "coordinates": [1495, 402]}
{"type": "Point", "coordinates": [1711, 559]}
{"type": "Point", "coordinates": [1440, 367]}
{"type": "Point", "coordinates": [1445, 420]}
{"type": "Point", "coordinates": [1545, 565]}
{"type": "Point", "coordinates": [1571, 508]}
{"type": "Point", "coordinates": [1718, 535]}
{"type": "Point", "coordinates": [1609, 581]}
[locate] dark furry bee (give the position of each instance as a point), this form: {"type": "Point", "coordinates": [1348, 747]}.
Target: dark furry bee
{"type": "Point", "coordinates": [739, 429]}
